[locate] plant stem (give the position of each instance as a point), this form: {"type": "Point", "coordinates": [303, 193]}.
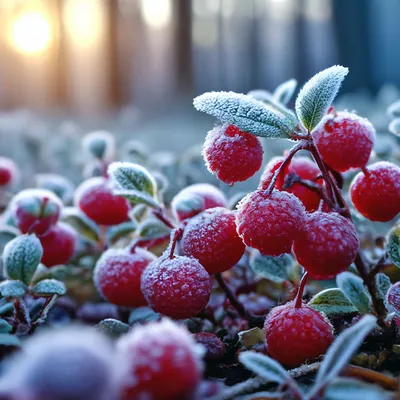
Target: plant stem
{"type": "Point", "coordinates": [300, 291]}
{"type": "Point", "coordinates": [160, 214]}
{"type": "Point", "coordinates": [175, 236]}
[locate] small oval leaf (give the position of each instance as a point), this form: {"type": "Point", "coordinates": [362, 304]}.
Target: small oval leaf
{"type": "Point", "coordinates": [394, 127]}
{"type": "Point", "coordinates": [393, 244]}
{"type": "Point", "coordinates": [112, 327]}
{"type": "Point", "coordinates": [251, 337]}
{"type": "Point", "coordinates": [117, 232]}
{"type": "Point", "coordinates": [142, 314]}
{"type": "Point", "coordinates": [13, 289]}
{"type": "Point", "coordinates": [5, 327]}
{"type": "Point", "coordinates": [275, 269]}
{"type": "Point", "coordinates": [81, 223]}
{"type": "Point", "coordinates": [383, 285]}
{"type": "Point", "coordinates": [284, 92]}
{"type": "Point", "coordinates": [331, 302]}
{"type": "Point", "coordinates": [353, 288]}
{"type": "Point", "coordinates": [152, 228]}
{"type": "Point", "coordinates": [49, 287]}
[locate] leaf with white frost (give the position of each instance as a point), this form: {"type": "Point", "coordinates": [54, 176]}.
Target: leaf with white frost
{"type": "Point", "coordinates": [353, 288]}
{"type": "Point", "coordinates": [284, 92]}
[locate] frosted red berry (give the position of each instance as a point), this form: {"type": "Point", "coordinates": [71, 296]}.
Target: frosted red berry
{"type": "Point", "coordinates": [231, 154]}
{"type": "Point", "coordinates": [270, 223]}
{"type": "Point", "coordinates": [117, 276]}
{"type": "Point", "coordinates": [376, 195]}
{"type": "Point", "coordinates": [344, 140]}
{"type": "Point", "coordinates": [58, 244]}
{"type": "Point", "coordinates": [393, 297]}
{"type": "Point", "coordinates": [214, 346]}
{"type": "Point", "coordinates": [211, 238]}
{"type": "Point", "coordinates": [159, 361]}
{"type": "Point", "coordinates": [299, 168]}
{"type": "Point", "coordinates": [8, 171]}
{"type": "Point", "coordinates": [177, 287]}
{"type": "Point", "coordinates": [36, 210]}
{"type": "Point", "coordinates": [96, 199]}
{"type": "Point", "coordinates": [196, 198]}
{"type": "Point", "coordinates": [295, 335]}
{"type": "Point", "coordinates": [328, 245]}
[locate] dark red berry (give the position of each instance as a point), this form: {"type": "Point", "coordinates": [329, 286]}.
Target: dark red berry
{"type": "Point", "coordinates": [8, 171]}
{"type": "Point", "coordinates": [96, 199]}
{"type": "Point", "coordinates": [58, 245]}
{"type": "Point", "coordinates": [196, 198]}
{"type": "Point", "coordinates": [377, 195]}
{"type": "Point", "coordinates": [178, 288]}
{"type": "Point", "coordinates": [215, 347]}
{"type": "Point", "coordinates": [211, 237]}
{"type": "Point", "coordinates": [36, 210]}
{"type": "Point", "coordinates": [231, 154]}
{"type": "Point", "coordinates": [393, 297]}
{"type": "Point", "coordinates": [344, 140]}
{"type": "Point", "coordinates": [117, 276]}
{"type": "Point", "coordinates": [299, 168]}
{"type": "Point", "coordinates": [160, 361]}
{"type": "Point", "coordinates": [295, 335]}
{"type": "Point", "coordinates": [270, 223]}
{"type": "Point", "coordinates": [328, 245]}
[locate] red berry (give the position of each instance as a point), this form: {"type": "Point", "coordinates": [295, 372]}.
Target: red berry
{"type": "Point", "coordinates": [196, 198]}
{"type": "Point", "coordinates": [300, 167]}
{"type": "Point", "coordinates": [328, 245]}
{"type": "Point", "coordinates": [177, 287]}
{"type": "Point", "coordinates": [344, 140]}
{"type": "Point", "coordinates": [36, 210]}
{"type": "Point", "coordinates": [393, 297]}
{"type": "Point", "coordinates": [231, 154]}
{"type": "Point", "coordinates": [117, 276]}
{"type": "Point", "coordinates": [58, 245]}
{"type": "Point", "coordinates": [295, 335]}
{"type": "Point", "coordinates": [8, 171]}
{"type": "Point", "coordinates": [160, 361]}
{"type": "Point", "coordinates": [377, 195]}
{"type": "Point", "coordinates": [215, 347]}
{"type": "Point", "coordinates": [96, 199]}
{"type": "Point", "coordinates": [270, 223]}
{"type": "Point", "coordinates": [211, 237]}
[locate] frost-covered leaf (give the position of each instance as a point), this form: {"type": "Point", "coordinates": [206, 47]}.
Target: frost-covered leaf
{"type": "Point", "coordinates": [49, 287]}
{"type": "Point", "coordinates": [317, 95]}
{"type": "Point", "coordinates": [284, 92]}
{"type": "Point", "coordinates": [142, 314]}
{"type": "Point", "coordinates": [251, 337]}
{"type": "Point", "coordinates": [152, 229]}
{"type": "Point", "coordinates": [354, 389]}
{"type": "Point", "coordinates": [14, 289]}
{"type": "Point", "coordinates": [7, 233]}
{"type": "Point", "coordinates": [21, 257]}
{"type": "Point", "coordinates": [353, 288]}
{"type": "Point", "coordinates": [342, 349]}
{"type": "Point", "coordinates": [261, 95]}
{"type": "Point", "coordinates": [392, 299]}
{"type": "Point", "coordinates": [100, 144]}
{"type": "Point", "coordinates": [276, 269]}
{"type": "Point", "coordinates": [81, 223]}
{"type": "Point", "coordinates": [394, 110]}
{"type": "Point", "coordinates": [112, 327]}
{"type": "Point", "coordinates": [393, 244]}
{"type": "Point", "coordinates": [331, 302]}
{"type": "Point", "coordinates": [117, 232]}
{"type": "Point", "coordinates": [9, 340]}
{"type": "Point", "coordinates": [135, 197]}
{"type": "Point", "coordinates": [246, 113]}
{"type": "Point", "coordinates": [5, 327]}
{"type": "Point", "coordinates": [394, 127]}
{"type": "Point", "coordinates": [383, 285]}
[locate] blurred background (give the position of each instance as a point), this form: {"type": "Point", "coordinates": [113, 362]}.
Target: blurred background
{"type": "Point", "coordinates": [133, 66]}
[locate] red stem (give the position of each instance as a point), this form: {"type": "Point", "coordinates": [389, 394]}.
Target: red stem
{"type": "Point", "coordinates": [160, 214]}
{"type": "Point", "coordinates": [300, 291]}
{"type": "Point", "coordinates": [175, 236]}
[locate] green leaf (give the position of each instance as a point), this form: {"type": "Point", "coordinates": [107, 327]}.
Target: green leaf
{"type": "Point", "coordinates": [112, 327]}
{"type": "Point", "coordinates": [275, 269]}
{"type": "Point", "coordinates": [5, 327]}
{"type": "Point", "coordinates": [247, 114]}
{"type": "Point", "coordinates": [342, 349]}
{"type": "Point", "coordinates": [100, 144]}
{"type": "Point", "coordinates": [353, 288]}
{"type": "Point", "coordinates": [383, 285]}
{"type": "Point", "coordinates": [317, 95]}
{"type": "Point", "coordinates": [354, 389]}
{"type": "Point", "coordinates": [393, 244]}
{"type": "Point", "coordinates": [49, 287]}
{"type": "Point", "coordinates": [251, 337]}
{"type": "Point", "coordinates": [81, 223]}
{"type": "Point", "coordinates": [331, 302]}
{"type": "Point", "coordinates": [13, 289]}
{"type": "Point", "coordinates": [152, 228]}
{"type": "Point", "coordinates": [9, 340]}
{"type": "Point", "coordinates": [21, 257]}
{"type": "Point", "coordinates": [117, 232]}
{"type": "Point", "coordinates": [142, 314]}
{"type": "Point", "coordinates": [284, 92]}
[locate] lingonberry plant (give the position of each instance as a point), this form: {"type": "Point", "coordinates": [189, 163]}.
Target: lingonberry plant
{"type": "Point", "coordinates": [289, 291]}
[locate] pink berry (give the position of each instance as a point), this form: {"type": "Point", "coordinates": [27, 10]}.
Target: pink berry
{"type": "Point", "coordinates": [328, 245]}
{"type": "Point", "coordinates": [344, 140]}
{"type": "Point", "coordinates": [377, 195]}
{"type": "Point", "coordinates": [177, 287]}
{"type": "Point", "coordinates": [58, 245]}
{"type": "Point", "coordinates": [393, 297]}
{"type": "Point", "coordinates": [295, 335]}
{"type": "Point", "coordinates": [214, 346]}
{"type": "Point", "coordinates": [8, 171]}
{"type": "Point", "coordinates": [300, 167]}
{"type": "Point", "coordinates": [232, 155]}
{"type": "Point", "coordinates": [196, 198]}
{"type": "Point", "coordinates": [270, 223]}
{"type": "Point", "coordinates": [159, 361]}
{"type": "Point", "coordinates": [36, 210]}
{"type": "Point", "coordinates": [96, 199]}
{"type": "Point", "coordinates": [211, 238]}
{"type": "Point", "coordinates": [117, 276]}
